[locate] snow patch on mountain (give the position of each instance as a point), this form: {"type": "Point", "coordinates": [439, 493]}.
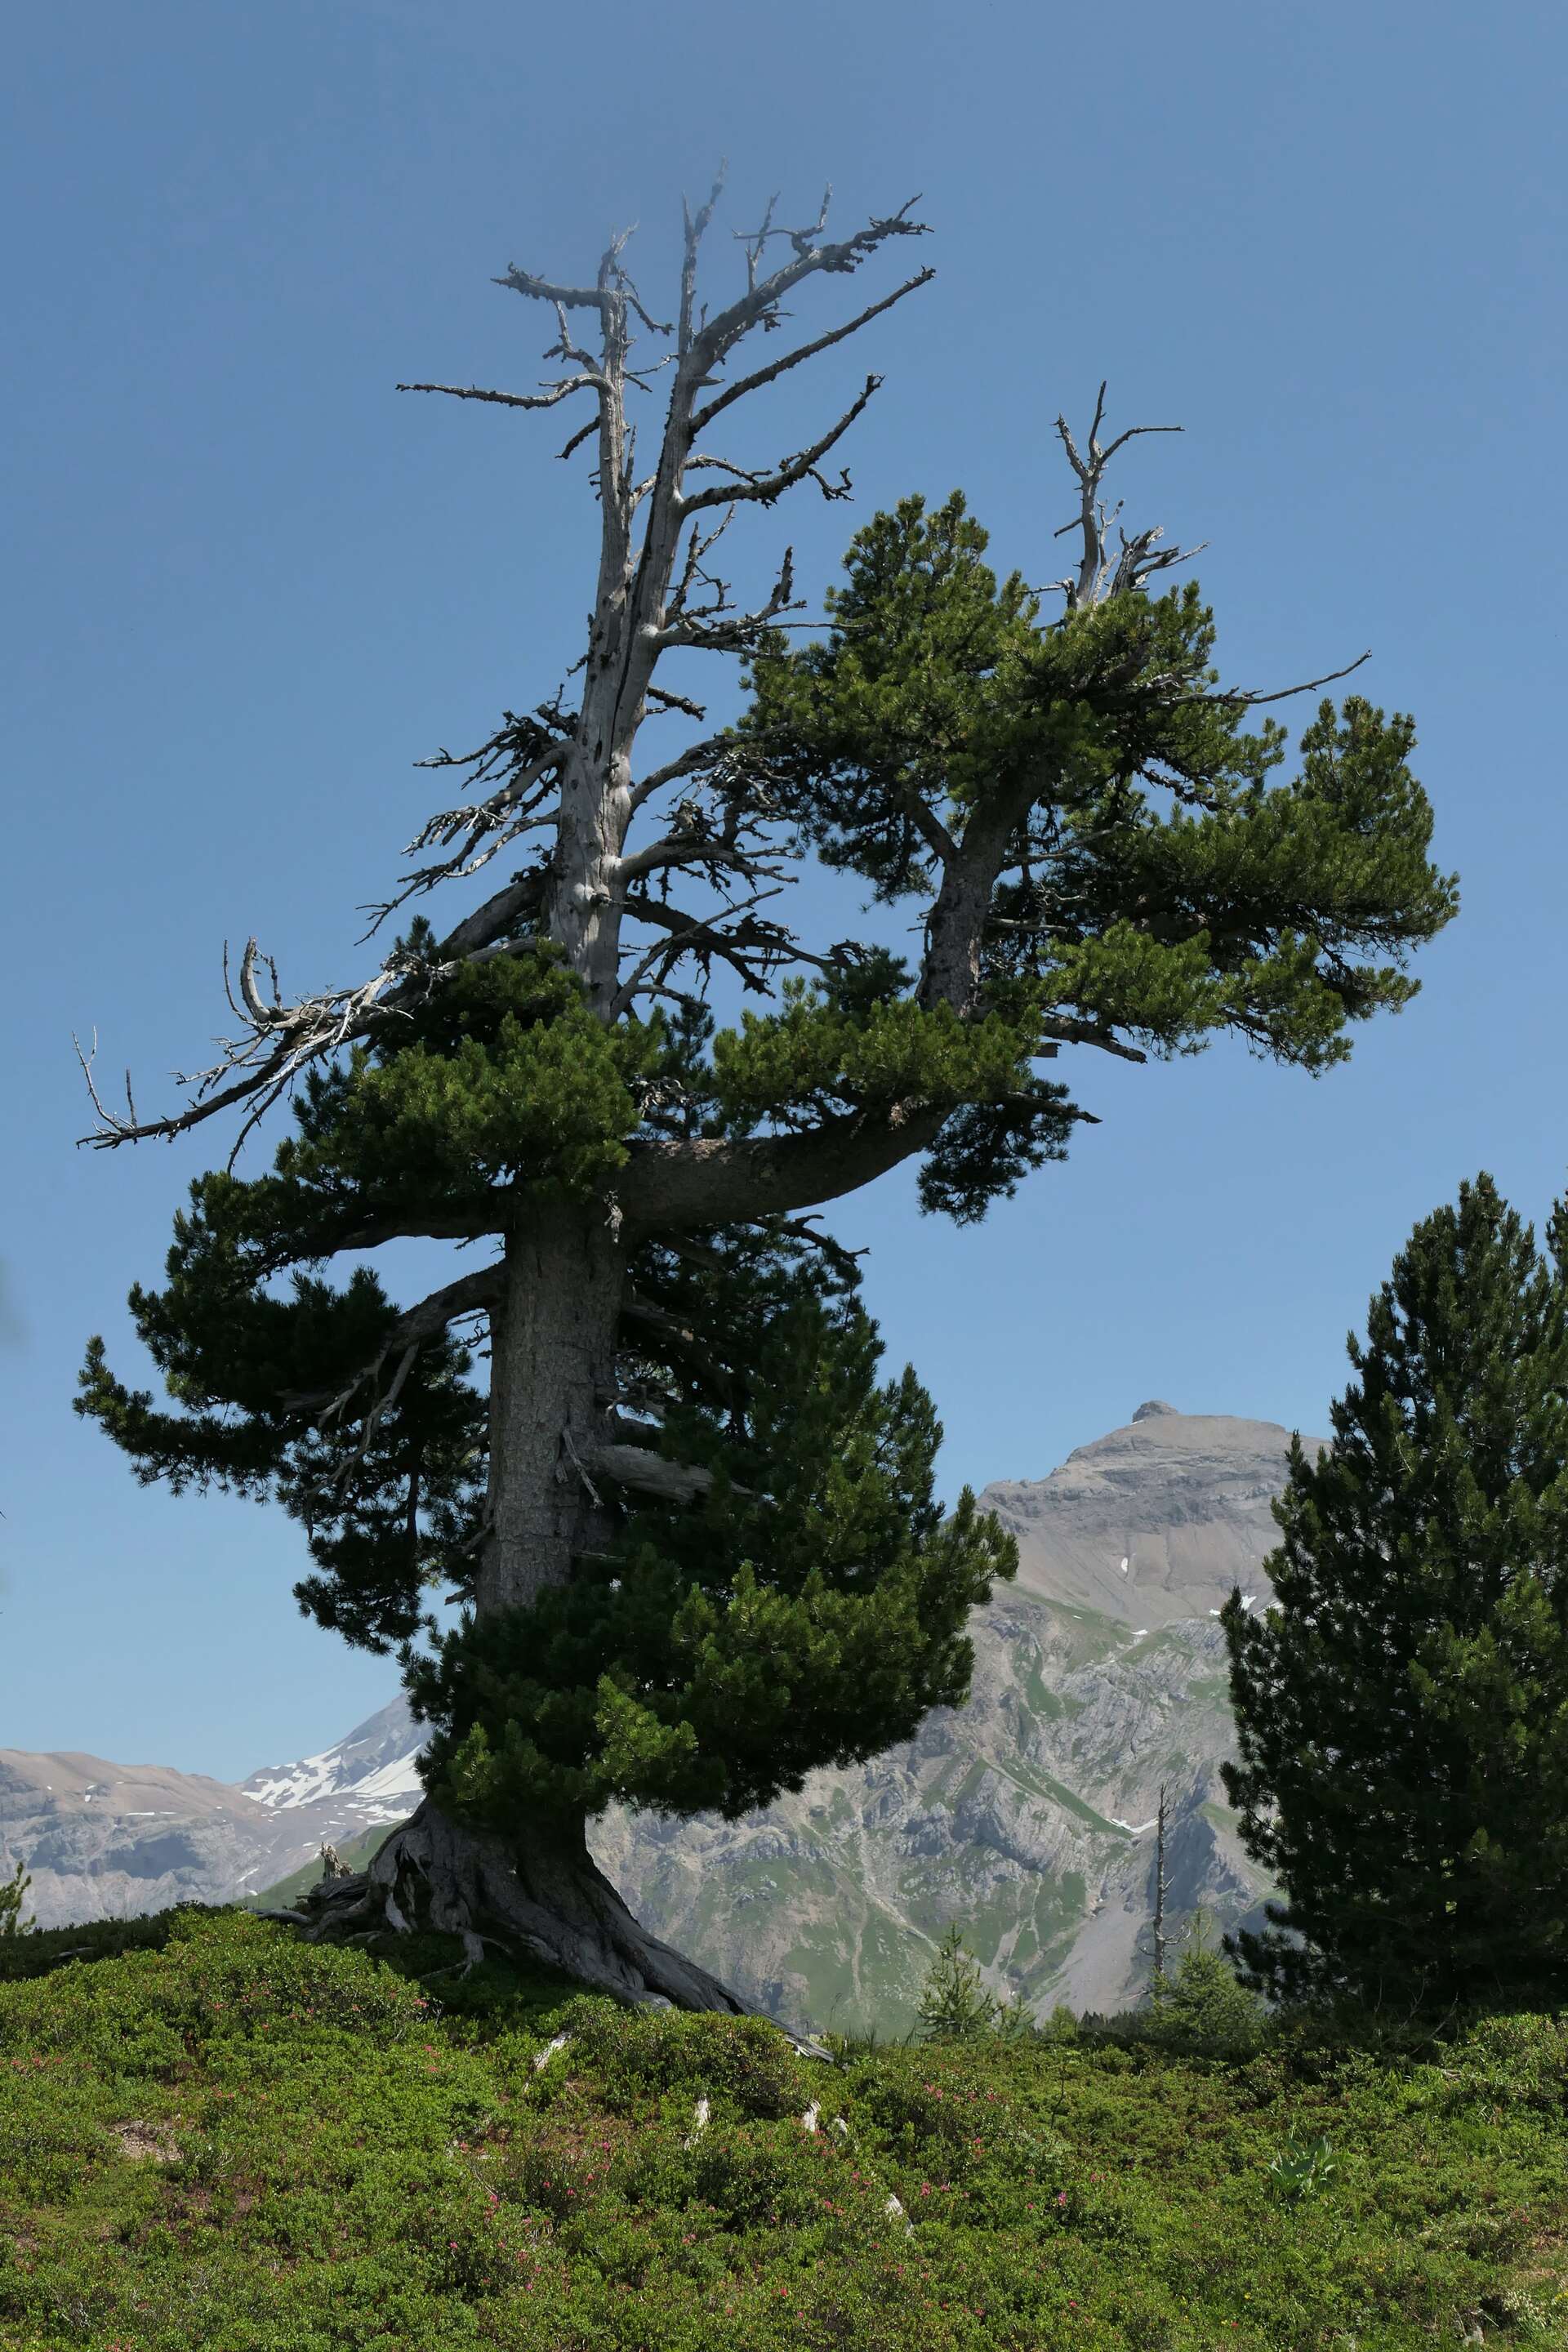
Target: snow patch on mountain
{"type": "Point", "coordinates": [372, 1773]}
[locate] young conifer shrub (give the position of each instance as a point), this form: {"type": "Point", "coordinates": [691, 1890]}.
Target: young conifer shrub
{"type": "Point", "coordinates": [956, 2004]}
{"type": "Point", "coordinates": [1203, 2009]}
{"type": "Point", "coordinates": [13, 1892]}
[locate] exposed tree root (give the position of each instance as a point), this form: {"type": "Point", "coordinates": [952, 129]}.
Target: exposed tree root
{"type": "Point", "coordinates": [549, 1900]}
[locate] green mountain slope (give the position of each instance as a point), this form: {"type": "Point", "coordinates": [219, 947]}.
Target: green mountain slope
{"type": "Point", "coordinates": [1027, 1816]}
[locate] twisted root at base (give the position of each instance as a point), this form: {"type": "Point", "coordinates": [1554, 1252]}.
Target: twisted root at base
{"type": "Point", "coordinates": [550, 1900]}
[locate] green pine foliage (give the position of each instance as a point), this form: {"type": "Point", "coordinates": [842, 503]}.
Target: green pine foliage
{"type": "Point", "coordinates": [1203, 2009]}
{"type": "Point", "coordinates": [955, 2003]}
{"type": "Point", "coordinates": [1162, 888]}
{"type": "Point", "coordinates": [1153, 885]}
{"type": "Point", "coordinates": [809, 1610]}
{"type": "Point", "coordinates": [1403, 1712]}
{"type": "Point", "coordinates": [12, 1895]}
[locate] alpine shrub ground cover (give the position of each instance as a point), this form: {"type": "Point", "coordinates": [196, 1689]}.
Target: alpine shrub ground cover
{"type": "Point", "coordinates": [218, 2138]}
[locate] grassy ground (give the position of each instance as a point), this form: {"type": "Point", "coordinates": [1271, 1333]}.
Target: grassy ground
{"type": "Point", "coordinates": [228, 2141]}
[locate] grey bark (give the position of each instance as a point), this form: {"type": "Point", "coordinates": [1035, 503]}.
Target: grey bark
{"type": "Point", "coordinates": [543, 1895]}
{"type": "Point", "coordinates": [553, 1356]}
{"type": "Point", "coordinates": [1162, 1888]}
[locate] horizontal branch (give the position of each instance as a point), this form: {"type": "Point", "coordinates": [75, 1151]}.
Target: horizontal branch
{"type": "Point", "coordinates": [588, 381]}
{"type": "Point", "coordinates": [645, 1473]}
{"type": "Point", "coordinates": [635, 1308]}
{"type": "Point", "coordinates": [731, 932]}
{"type": "Point", "coordinates": [1245, 701]}
{"type": "Point", "coordinates": [675, 1346]}
{"type": "Point", "coordinates": [495, 920]}
{"type": "Point", "coordinates": [468, 1295]}
{"type": "Point", "coordinates": [1061, 1029]}
{"type": "Point", "coordinates": [685, 849]}
{"type": "Point", "coordinates": [704, 1181]}
{"type": "Point", "coordinates": [763, 488]}
{"type": "Point", "coordinates": [837, 1253]}
{"type": "Point", "coordinates": [686, 763]}
{"type": "Point", "coordinates": [286, 1039]}
{"type": "Point", "coordinates": [560, 297]}
{"type": "Point", "coordinates": [424, 1225]}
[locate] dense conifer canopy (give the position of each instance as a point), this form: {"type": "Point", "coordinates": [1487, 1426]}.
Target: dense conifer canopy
{"type": "Point", "coordinates": [1403, 1712]}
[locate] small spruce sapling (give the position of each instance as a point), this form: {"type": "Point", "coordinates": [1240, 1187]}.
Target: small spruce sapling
{"type": "Point", "coordinates": [956, 2004]}
{"type": "Point", "coordinates": [13, 1892]}
{"type": "Point", "coordinates": [1202, 2007]}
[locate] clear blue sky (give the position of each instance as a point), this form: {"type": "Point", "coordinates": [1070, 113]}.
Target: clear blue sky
{"type": "Point", "coordinates": [247, 585]}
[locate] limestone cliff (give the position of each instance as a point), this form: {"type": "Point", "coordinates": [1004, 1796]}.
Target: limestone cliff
{"type": "Point", "coordinates": [1028, 1814]}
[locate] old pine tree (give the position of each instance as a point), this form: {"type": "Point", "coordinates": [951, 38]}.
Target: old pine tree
{"type": "Point", "coordinates": [692, 1533]}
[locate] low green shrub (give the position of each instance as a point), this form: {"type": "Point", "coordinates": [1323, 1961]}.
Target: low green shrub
{"type": "Point", "coordinates": [222, 2140]}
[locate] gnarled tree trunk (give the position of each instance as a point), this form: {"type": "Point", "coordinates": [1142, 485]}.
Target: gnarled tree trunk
{"type": "Point", "coordinates": [537, 1890]}
{"type": "Point", "coordinates": [559, 1460]}
{"type": "Point", "coordinates": [543, 1894]}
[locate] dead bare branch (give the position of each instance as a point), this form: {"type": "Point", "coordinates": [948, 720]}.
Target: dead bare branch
{"type": "Point", "coordinates": [639, 615]}
{"type": "Point", "coordinates": [803, 1229]}
{"type": "Point", "coordinates": [588, 381]}
{"type": "Point", "coordinates": [470, 1294]}
{"type": "Point", "coordinates": [1097, 576]}
{"type": "Point", "coordinates": [716, 627]}
{"type": "Point", "coordinates": [1245, 701]}
{"type": "Point", "coordinates": [704, 937]}
{"type": "Point", "coordinates": [663, 700]}
{"type": "Point", "coordinates": [770, 374]}
{"type": "Point", "coordinates": [695, 227]}
{"type": "Point", "coordinates": [764, 489]}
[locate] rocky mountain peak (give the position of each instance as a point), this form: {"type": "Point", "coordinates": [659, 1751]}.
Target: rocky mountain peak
{"type": "Point", "coordinates": [1153, 1522]}
{"type": "Point", "coordinates": [372, 1770]}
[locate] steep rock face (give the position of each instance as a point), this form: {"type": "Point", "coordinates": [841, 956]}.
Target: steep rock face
{"type": "Point", "coordinates": [1027, 1815]}
{"type": "Point", "coordinates": [1155, 1522]}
